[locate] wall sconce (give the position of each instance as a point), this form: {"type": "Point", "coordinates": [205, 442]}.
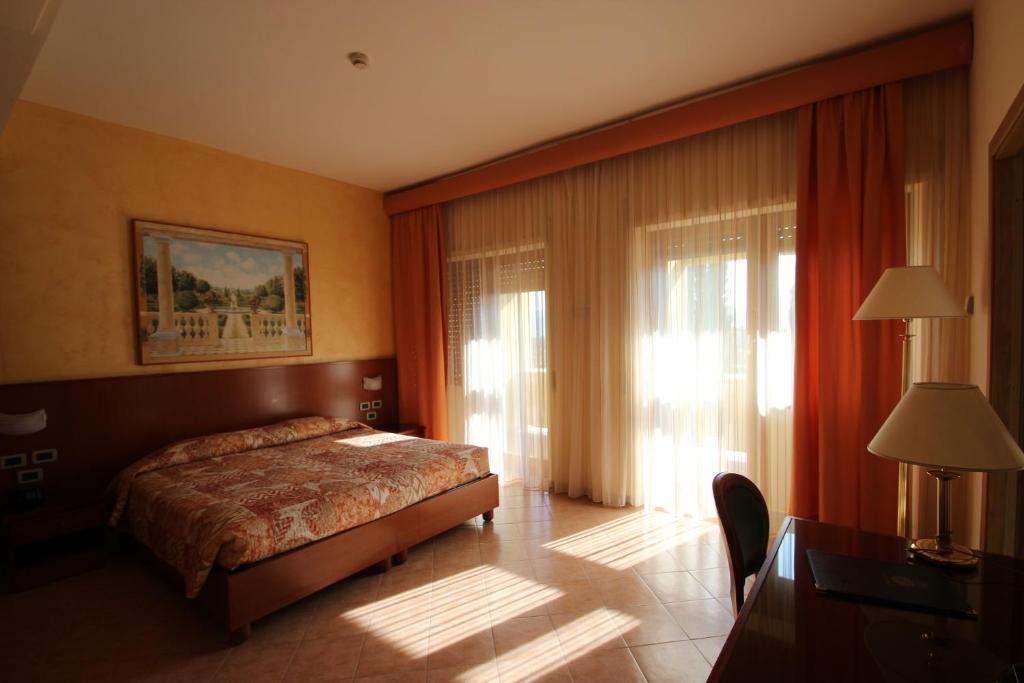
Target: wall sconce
{"type": "Point", "coordinates": [373, 383]}
{"type": "Point", "coordinates": [25, 423]}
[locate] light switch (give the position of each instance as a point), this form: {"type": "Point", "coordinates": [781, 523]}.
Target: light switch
{"type": "Point", "coordinates": [31, 476]}
{"type": "Point", "coordinates": [47, 455]}
{"type": "Point", "coordinates": [9, 462]}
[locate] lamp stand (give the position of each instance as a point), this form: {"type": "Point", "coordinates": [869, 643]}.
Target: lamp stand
{"type": "Point", "coordinates": [902, 494]}
{"type": "Point", "coordinates": [941, 549]}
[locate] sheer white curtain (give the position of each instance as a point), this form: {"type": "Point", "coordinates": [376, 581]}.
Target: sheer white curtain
{"type": "Point", "coordinates": [935, 112]}
{"type": "Point", "coordinates": [659, 285]}
{"type": "Point", "coordinates": [714, 282]}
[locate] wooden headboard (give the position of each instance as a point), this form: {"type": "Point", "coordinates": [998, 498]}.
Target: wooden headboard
{"type": "Point", "coordinates": [101, 425]}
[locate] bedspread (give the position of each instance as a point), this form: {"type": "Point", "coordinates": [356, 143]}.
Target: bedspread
{"type": "Point", "coordinates": [244, 496]}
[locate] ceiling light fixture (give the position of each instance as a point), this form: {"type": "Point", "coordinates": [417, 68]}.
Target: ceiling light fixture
{"type": "Point", "coordinates": [360, 60]}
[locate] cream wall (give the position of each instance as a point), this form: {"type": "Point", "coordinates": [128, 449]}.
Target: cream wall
{"type": "Point", "coordinates": [69, 186]}
{"type": "Point", "coordinates": [997, 75]}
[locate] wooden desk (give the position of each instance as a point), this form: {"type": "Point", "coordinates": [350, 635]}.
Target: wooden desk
{"type": "Point", "coordinates": [787, 632]}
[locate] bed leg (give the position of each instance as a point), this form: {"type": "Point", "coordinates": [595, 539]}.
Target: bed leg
{"type": "Point", "coordinates": [384, 565]}
{"type": "Point", "coordinates": [400, 557]}
{"type": "Point", "coordinates": [240, 634]}
{"type": "Point", "coordinates": [489, 515]}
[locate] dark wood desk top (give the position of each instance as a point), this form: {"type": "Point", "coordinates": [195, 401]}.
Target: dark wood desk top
{"type": "Point", "coordinates": [787, 632]}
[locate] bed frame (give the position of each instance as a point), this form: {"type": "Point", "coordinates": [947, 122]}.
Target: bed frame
{"type": "Point", "coordinates": [239, 597]}
{"type": "Point", "coordinates": [102, 425]}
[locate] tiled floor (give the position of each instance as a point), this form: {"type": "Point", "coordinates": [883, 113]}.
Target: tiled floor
{"type": "Point", "coordinates": [555, 589]}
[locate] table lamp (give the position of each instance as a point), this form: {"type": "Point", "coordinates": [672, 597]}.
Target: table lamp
{"type": "Point", "coordinates": [906, 293]}
{"type": "Point", "coordinates": [947, 428]}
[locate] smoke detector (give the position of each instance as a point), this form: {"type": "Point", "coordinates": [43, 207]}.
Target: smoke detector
{"type": "Point", "coordinates": [360, 60]}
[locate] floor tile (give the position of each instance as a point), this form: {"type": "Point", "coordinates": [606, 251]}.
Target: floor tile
{"type": "Point", "coordinates": [672, 663]}
{"type": "Point", "coordinates": [395, 677]}
{"type": "Point", "coordinates": [647, 625]}
{"type": "Point", "coordinates": [700, 556]}
{"type": "Point", "coordinates": [385, 655]}
{"type": "Point", "coordinates": [625, 592]}
{"type": "Point", "coordinates": [606, 666]}
{"type": "Point", "coordinates": [574, 597]}
{"type": "Point", "coordinates": [254, 661]}
{"type": "Point", "coordinates": [461, 650]}
{"type": "Point", "coordinates": [717, 581]}
{"type": "Point", "coordinates": [676, 587]}
{"type": "Point", "coordinates": [558, 569]}
{"type": "Point", "coordinates": [486, 672]}
{"type": "Point", "coordinates": [325, 659]}
{"type": "Point", "coordinates": [503, 552]}
{"type": "Point", "coordinates": [528, 648]}
{"type": "Point", "coordinates": [710, 647]}
{"type": "Point", "coordinates": [701, 618]}
{"type": "Point", "coordinates": [658, 562]}
{"type": "Point", "coordinates": [582, 633]}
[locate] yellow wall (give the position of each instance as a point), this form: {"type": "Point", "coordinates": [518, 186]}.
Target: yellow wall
{"type": "Point", "coordinates": [997, 75]}
{"type": "Point", "coordinates": [69, 186]}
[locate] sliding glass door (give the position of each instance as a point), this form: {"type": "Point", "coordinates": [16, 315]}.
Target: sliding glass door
{"type": "Point", "coordinates": [497, 374]}
{"type": "Point", "coordinates": [713, 376]}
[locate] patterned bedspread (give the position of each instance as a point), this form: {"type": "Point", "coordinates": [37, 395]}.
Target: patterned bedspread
{"type": "Point", "coordinates": [244, 496]}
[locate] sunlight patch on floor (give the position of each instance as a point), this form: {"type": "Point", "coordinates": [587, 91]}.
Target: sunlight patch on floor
{"type": "Point", "coordinates": [551, 651]}
{"type": "Point", "coordinates": [623, 543]}
{"type": "Point", "coordinates": [452, 608]}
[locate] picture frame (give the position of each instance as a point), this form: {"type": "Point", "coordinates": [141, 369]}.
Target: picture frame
{"type": "Point", "coordinates": [203, 294]}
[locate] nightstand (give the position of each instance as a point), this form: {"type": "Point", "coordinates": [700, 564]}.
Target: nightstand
{"type": "Point", "coordinates": [408, 430]}
{"type": "Point", "coordinates": [60, 538]}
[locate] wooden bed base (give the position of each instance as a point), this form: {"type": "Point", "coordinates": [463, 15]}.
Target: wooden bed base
{"type": "Point", "coordinates": [237, 598]}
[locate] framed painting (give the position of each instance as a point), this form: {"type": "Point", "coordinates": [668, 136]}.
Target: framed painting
{"type": "Point", "coordinates": [205, 295]}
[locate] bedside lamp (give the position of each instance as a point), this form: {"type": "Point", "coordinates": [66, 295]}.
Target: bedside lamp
{"type": "Point", "coordinates": [906, 293]}
{"type": "Point", "coordinates": [947, 428]}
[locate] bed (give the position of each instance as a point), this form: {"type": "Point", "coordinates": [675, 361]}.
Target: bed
{"type": "Point", "coordinates": [256, 519]}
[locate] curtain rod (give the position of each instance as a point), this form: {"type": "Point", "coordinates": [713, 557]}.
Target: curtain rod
{"type": "Point", "coordinates": [937, 49]}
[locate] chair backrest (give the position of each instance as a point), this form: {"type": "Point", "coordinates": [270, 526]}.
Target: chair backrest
{"type": "Point", "coordinates": [744, 517]}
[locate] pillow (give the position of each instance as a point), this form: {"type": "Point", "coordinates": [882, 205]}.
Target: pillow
{"type": "Point", "coordinates": [225, 443]}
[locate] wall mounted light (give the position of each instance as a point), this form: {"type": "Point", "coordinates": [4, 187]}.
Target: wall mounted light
{"type": "Point", "coordinates": [25, 423]}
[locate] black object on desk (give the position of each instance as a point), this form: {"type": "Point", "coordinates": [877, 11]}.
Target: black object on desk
{"type": "Point", "coordinates": [891, 584]}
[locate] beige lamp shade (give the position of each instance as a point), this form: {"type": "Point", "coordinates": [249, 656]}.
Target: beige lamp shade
{"type": "Point", "coordinates": [947, 426]}
{"type": "Point", "coordinates": [909, 292]}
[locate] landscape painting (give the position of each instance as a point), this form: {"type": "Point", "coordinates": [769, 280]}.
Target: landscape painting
{"type": "Point", "coordinates": [210, 295]}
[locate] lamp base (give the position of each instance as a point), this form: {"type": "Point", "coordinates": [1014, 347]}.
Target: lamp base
{"type": "Point", "coordinates": [955, 557]}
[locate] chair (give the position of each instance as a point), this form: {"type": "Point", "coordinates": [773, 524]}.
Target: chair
{"type": "Point", "coordinates": [744, 517]}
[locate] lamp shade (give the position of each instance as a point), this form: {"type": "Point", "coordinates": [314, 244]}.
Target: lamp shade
{"type": "Point", "coordinates": [949, 426]}
{"type": "Point", "coordinates": [909, 292]}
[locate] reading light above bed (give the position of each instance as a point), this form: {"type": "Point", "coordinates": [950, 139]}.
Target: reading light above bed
{"type": "Point", "coordinates": [373, 383]}
{"type": "Point", "coordinates": [25, 423]}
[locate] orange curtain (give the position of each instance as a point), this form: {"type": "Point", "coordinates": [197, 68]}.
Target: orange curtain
{"type": "Point", "coordinates": [850, 228]}
{"type": "Point", "coordinates": [419, 279]}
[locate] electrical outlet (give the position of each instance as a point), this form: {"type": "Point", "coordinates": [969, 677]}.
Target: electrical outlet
{"type": "Point", "coordinates": [364, 406]}
{"type": "Point", "coordinates": [32, 476]}
{"type": "Point", "coordinates": [9, 462]}
{"type": "Point", "coordinates": [377, 404]}
{"type": "Point", "coordinates": [371, 416]}
{"type": "Point", "coordinates": [47, 455]}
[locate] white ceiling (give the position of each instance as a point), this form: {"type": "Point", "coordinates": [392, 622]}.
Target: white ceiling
{"type": "Point", "coordinates": [452, 83]}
